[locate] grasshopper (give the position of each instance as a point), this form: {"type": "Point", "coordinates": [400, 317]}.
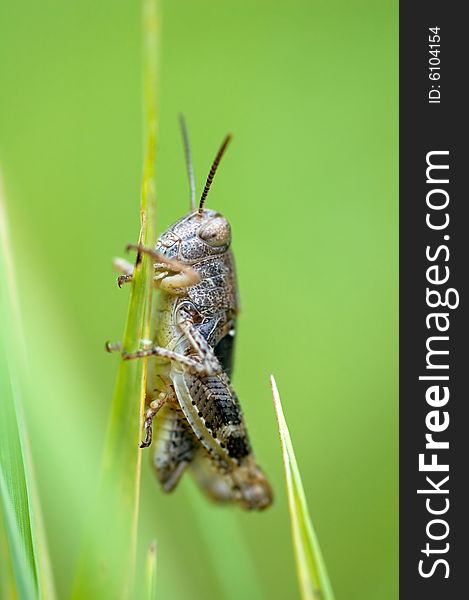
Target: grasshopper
{"type": "Point", "coordinates": [199, 423]}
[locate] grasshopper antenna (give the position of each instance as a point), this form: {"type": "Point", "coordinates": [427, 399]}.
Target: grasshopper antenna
{"type": "Point", "coordinates": [212, 172]}
{"type": "Point", "coordinates": [188, 155]}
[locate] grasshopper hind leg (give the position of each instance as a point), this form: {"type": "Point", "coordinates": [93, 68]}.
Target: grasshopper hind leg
{"type": "Point", "coordinates": [174, 446]}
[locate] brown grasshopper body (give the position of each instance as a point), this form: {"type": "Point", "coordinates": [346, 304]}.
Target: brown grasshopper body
{"type": "Point", "coordinates": [199, 421]}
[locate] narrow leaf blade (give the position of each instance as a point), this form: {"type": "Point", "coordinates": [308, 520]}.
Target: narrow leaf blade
{"type": "Point", "coordinates": [312, 575]}
{"type": "Point", "coordinates": [24, 540]}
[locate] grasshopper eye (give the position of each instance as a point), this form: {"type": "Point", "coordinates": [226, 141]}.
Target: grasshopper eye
{"type": "Point", "coordinates": [216, 232]}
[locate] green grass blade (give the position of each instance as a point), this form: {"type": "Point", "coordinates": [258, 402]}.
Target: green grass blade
{"type": "Point", "coordinates": [312, 575]}
{"type": "Point", "coordinates": [14, 498]}
{"type": "Point", "coordinates": [151, 572]}
{"type": "Point", "coordinates": [13, 487]}
{"type": "Point", "coordinates": [107, 566]}
{"type": "Point", "coordinates": [7, 577]}
{"type": "Point", "coordinates": [24, 540]}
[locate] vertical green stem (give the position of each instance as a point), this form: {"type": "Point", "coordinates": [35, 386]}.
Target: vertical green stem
{"type": "Point", "coordinates": [107, 565]}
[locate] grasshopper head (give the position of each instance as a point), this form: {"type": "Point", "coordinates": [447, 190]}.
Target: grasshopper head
{"type": "Point", "coordinates": [203, 232]}
{"type": "Point", "coordinates": [196, 236]}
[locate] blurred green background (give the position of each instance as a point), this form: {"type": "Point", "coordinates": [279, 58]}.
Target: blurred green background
{"type": "Point", "coordinates": [309, 184]}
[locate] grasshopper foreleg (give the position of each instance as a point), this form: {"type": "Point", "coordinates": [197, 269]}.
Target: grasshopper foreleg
{"type": "Point", "coordinates": [127, 272]}
{"type": "Point", "coordinates": [184, 276]}
{"type": "Point", "coordinates": [125, 268]}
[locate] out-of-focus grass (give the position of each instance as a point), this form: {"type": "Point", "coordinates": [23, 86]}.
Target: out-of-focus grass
{"type": "Point", "coordinates": [108, 562]}
{"type": "Point", "coordinates": [26, 571]}
{"type": "Point", "coordinates": [312, 574]}
{"type": "Point", "coordinates": [151, 572]}
{"type": "Point", "coordinates": [7, 578]}
{"type": "Point", "coordinates": [14, 496]}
